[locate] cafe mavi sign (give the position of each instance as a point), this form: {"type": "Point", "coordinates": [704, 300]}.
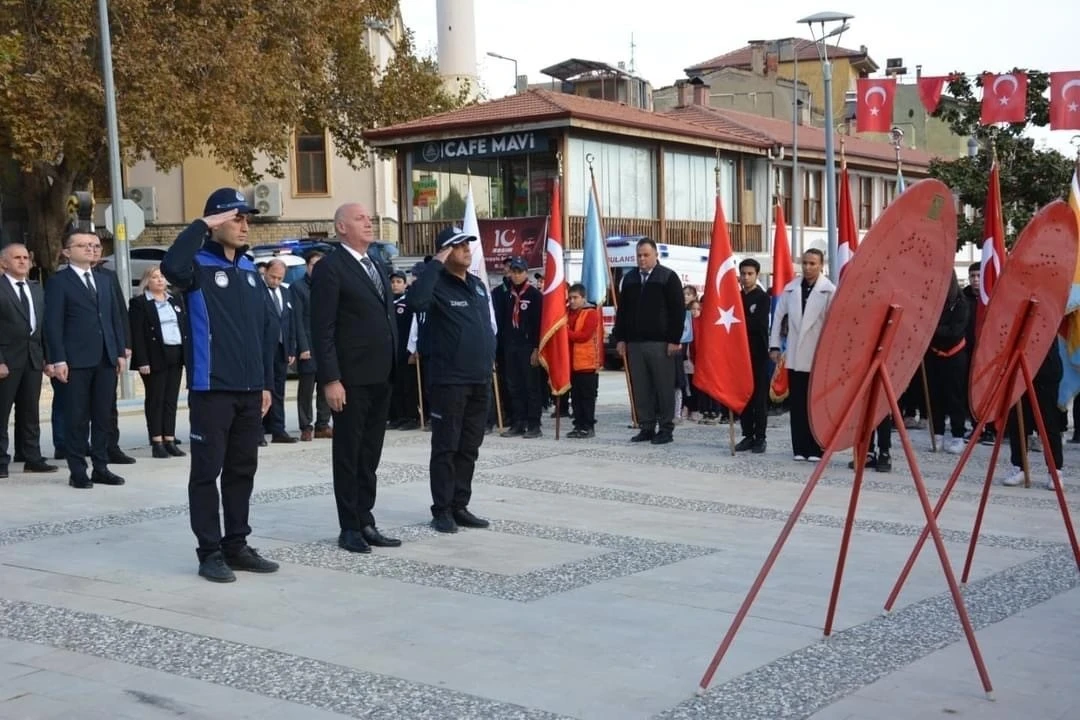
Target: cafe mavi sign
{"type": "Point", "coordinates": [519, 143]}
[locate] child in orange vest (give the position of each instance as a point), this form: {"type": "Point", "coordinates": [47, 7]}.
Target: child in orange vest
{"type": "Point", "coordinates": [586, 358]}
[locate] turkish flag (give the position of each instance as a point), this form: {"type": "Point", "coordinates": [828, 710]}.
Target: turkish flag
{"type": "Point", "coordinates": [1065, 100]}
{"type": "Point", "coordinates": [554, 335]}
{"type": "Point", "coordinates": [847, 229]}
{"type": "Point", "coordinates": [1004, 98]}
{"type": "Point", "coordinates": [782, 273]}
{"type": "Point", "coordinates": [874, 106]}
{"type": "Point", "coordinates": [993, 247]}
{"type": "Point", "coordinates": [722, 370]}
{"type": "Point", "coordinates": [930, 89]}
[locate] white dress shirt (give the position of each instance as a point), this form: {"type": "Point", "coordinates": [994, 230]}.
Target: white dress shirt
{"type": "Point", "coordinates": [26, 288]}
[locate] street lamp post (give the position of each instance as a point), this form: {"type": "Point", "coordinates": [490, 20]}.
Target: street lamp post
{"type": "Point", "coordinates": [830, 153]}
{"type": "Point", "coordinates": [508, 59]}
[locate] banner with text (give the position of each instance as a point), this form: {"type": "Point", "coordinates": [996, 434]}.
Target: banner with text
{"type": "Point", "coordinates": [503, 238]}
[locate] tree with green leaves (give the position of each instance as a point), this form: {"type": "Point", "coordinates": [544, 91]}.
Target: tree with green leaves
{"type": "Point", "coordinates": [227, 78]}
{"type": "Point", "coordinates": [1031, 177]}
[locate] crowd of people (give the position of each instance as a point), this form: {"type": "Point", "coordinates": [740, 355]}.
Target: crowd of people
{"type": "Point", "coordinates": [378, 349]}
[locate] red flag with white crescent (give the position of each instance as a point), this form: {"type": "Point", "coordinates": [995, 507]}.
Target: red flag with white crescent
{"type": "Point", "coordinates": [847, 230]}
{"type": "Point", "coordinates": [1004, 98]}
{"type": "Point", "coordinates": [554, 335]}
{"type": "Point", "coordinates": [722, 367]}
{"type": "Point", "coordinates": [993, 247]}
{"type": "Point", "coordinates": [1065, 100]}
{"type": "Point", "coordinates": [874, 104]}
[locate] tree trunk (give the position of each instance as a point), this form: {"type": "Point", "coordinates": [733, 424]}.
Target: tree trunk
{"type": "Point", "coordinates": [46, 189]}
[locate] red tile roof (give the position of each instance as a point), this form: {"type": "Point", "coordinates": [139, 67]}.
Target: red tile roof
{"type": "Point", "coordinates": [743, 57]}
{"type": "Point", "coordinates": [535, 105]}
{"type": "Point", "coordinates": [778, 132]}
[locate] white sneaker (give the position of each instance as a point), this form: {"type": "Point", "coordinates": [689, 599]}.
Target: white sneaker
{"type": "Point", "coordinates": [939, 442]}
{"type": "Point", "coordinates": [1016, 477]}
{"type": "Point", "coordinates": [813, 458]}
{"type": "Point", "coordinates": [955, 446]}
{"type": "Point", "coordinates": [1050, 483]}
{"type": "Point", "coordinates": [800, 458]}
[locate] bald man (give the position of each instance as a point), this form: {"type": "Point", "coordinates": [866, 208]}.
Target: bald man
{"type": "Point", "coordinates": [279, 304]}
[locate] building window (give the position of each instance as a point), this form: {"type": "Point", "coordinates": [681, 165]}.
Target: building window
{"type": "Point", "coordinates": [890, 193]}
{"type": "Point", "coordinates": [311, 161]}
{"type": "Point", "coordinates": [625, 179]}
{"type": "Point", "coordinates": [866, 202]}
{"type": "Point", "coordinates": [690, 187]}
{"type": "Point", "coordinates": [782, 184]}
{"type": "Point", "coordinates": [812, 198]}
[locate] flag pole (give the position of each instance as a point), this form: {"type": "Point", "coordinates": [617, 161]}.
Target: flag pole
{"type": "Point", "coordinates": [498, 396]}
{"type": "Point", "coordinates": [589, 158]}
{"type": "Point", "coordinates": [730, 411]}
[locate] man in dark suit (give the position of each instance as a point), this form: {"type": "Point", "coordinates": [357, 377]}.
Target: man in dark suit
{"type": "Point", "coordinates": [22, 358]}
{"type": "Point", "coordinates": [355, 337]}
{"type": "Point", "coordinates": [280, 308]}
{"type": "Point", "coordinates": [85, 340]}
{"type": "Point", "coordinates": [305, 360]}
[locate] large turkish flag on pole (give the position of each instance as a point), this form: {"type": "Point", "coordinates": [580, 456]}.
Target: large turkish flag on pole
{"type": "Point", "coordinates": [874, 105]}
{"type": "Point", "coordinates": [554, 336]}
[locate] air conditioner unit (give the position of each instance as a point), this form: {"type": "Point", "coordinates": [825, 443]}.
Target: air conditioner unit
{"type": "Point", "coordinates": [267, 198]}
{"type": "Point", "coordinates": [146, 198]}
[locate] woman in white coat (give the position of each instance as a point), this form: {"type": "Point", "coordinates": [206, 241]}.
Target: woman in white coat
{"type": "Point", "coordinates": [804, 302]}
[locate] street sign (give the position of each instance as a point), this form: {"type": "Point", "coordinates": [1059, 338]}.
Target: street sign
{"type": "Point", "coordinates": [134, 219]}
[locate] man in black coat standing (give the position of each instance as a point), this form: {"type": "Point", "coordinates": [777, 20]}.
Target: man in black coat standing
{"type": "Point", "coordinates": [305, 360]}
{"type": "Point", "coordinates": [355, 337]}
{"type": "Point", "coordinates": [756, 310]}
{"type": "Point", "coordinates": [85, 339]}
{"type": "Point", "coordinates": [517, 314]}
{"type": "Point", "coordinates": [22, 358]}
{"type": "Point", "coordinates": [280, 309]}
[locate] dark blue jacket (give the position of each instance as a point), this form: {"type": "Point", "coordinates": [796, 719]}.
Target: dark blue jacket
{"type": "Point", "coordinates": [461, 345]}
{"type": "Point", "coordinates": [527, 333]}
{"type": "Point", "coordinates": [232, 338]}
{"type": "Point", "coordinates": [79, 327]}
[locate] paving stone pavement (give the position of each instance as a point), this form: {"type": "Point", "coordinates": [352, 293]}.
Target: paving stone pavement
{"type": "Point", "coordinates": [604, 586]}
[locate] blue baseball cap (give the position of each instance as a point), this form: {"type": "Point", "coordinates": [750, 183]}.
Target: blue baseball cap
{"type": "Point", "coordinates": [517, 263]}
{"type": "Point", "coordinates": [225, 199]}
{"type": "Point", "coordinates": [452, 236]}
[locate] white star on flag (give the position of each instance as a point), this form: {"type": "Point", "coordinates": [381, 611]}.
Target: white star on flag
{"type": "Point", "coordinates": [1073, 107]}
{"type": "Point", "coordinates": [875, 111]}
{"type": "Point", "coordinates": [727, 318]}
{"type": "Point", "coordinates": [1003, 100]}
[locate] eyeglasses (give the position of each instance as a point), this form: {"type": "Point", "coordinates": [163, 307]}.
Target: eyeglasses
{"type": "Point", "coordinates": [84, 246]}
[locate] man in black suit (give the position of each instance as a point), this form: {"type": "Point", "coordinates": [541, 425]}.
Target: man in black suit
{"type": "Point", "coordinates": [22, 359]}
{"type": "Point", "coordinates": [85, 340]}
{"type": "Point", "coordinates": [355, 337]}
{"type": "Point", "coordinates": [305, 360]}
{"type": "Point", "coordinates": [280, 308]}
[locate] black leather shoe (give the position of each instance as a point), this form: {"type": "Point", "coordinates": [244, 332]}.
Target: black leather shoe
{"type": "Point", "coordinates": [375, 538]}
{"type": "Point", "coordinates": [106, 477]}
{"type": "Point", "coordinates": [3, 471]}
{"type": "Point", "coordinates": [662, 438]}
{"type": "Point", "coordinates": [512, 432]}
{"type": "Point", "coordinates": [81, 483]}
{"type": "Point", "coordinates": [745, 444]}
{"type": "Point", "coordinates": [117, 457]}
{"type": "Point", "coordinates": [759, 446]}
{"type": "Point", "coordinates": [249, 560]}
{"type": "Point", "coordinates": [884, 463]}
{"type": "Point", "coordinates": [644, 436]}
{"type": "Point", "coordinates": [214, 569]}
{"type": "Point", "coordinates": [532, 433]}
{"type": "Point", "coordinates": [464, 518]}
{"type": "Point", "coordinates": [158, 450]}
{"type": "Point", "coordinates": [444, 523]}
{"type": "Point", "coordinates": [262, 443]}
{"type": "Point", "coordinates": [284, 439]}
{"type": "Point", "coordinates": [170, 447]}
{"type": "Point", "coordinates": [353, 541]}
{"type": "Point", "coordinates": [871, 462]}
{"type": "Point", "coordinates": [39, 466]}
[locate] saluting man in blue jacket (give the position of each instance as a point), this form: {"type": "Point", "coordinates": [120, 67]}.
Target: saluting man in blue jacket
{"type": "Point", "coordinates": [230, 374]}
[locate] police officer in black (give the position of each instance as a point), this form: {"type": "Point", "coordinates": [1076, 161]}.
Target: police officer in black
{"type": "Point", "coordinates": [460, 361]}
{"type": "Point", "coordinates": [229, 378]}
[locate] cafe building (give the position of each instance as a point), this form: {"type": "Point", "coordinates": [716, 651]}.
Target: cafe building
{"type": "Point", "coordinates": [656, 174]}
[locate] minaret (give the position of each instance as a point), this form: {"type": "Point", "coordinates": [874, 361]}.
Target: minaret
{"type": "Point", "coordinates": [457, 45]}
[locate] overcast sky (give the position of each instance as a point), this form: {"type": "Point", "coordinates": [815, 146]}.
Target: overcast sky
{"type": "Point", "coordinates": [940, 36]}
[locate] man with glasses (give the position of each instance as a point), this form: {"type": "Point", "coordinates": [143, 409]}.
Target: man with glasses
{"type": "Point", "coordinates": [84, 335]}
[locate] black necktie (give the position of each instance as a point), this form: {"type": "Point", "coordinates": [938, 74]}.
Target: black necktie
{"type": "Point", "coordinates": [373, 274]}
{"type": "Point", "coordinates": [25, 300]}
{"type": "Point", "coordinates": [277, 301]}
{"type": "Point", "coordinates": [90, 285]}
{"type": "Point", "coordinates": [644, 277]}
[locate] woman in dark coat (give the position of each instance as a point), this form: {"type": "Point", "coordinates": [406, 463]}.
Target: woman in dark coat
{"type": "Point", "coordinates": [157, 352]}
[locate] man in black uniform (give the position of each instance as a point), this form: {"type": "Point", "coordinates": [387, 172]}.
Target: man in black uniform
{"type": "Point", "coordinates": [756, 309]}
{"type": "Point", "coordinates": [229, 379]}
{"type": "Point", "coordinates": [462, 353]}
{"type": "Point", "coordinates": [517, 314]}
{"type": "Point", "coordinates": [404, 413]}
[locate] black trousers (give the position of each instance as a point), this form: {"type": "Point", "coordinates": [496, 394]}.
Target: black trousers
{"type": "Point", "coordinates": [754, 418]}
{"type": "Point", "coordinates": [583, 390]}
{"type": "Point", "coordinates": [882, 436]}
{"type": "Point", "coordinates": [458, 416]}
{"type": "Point", "coordinates": [359, 430]}
{"type": "Point", "coordinates": [274, 422]}
{"type": "Point", "coordinates": [1047, 397]}
{"type": "Point", "coordinates": [523, 382]}
{"type": "Point", "coordinates": [226, 428]}
{"type": "Point", "coordinates": [21, 390]}
{"type": "Point", "coordinates": [652, 375]}
{"type": "Point", "coordinates": [404, 401]}
{"type": "Point", "coordinates": [162, 390]}
{"type": "Point", "coordinates": [89, 400]}
{"type": "Point", "coordinates": [305, 388]}
{"type": "Point", "coordinates": [912, 401]}
{"type": "Point", "coordinates": [947, 378]}
{"type": "Point", "coordinates": [802, 439]}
